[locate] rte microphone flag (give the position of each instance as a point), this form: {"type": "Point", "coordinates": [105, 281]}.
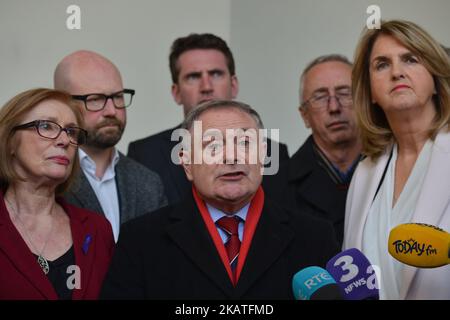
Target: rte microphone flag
{"type": "Point", "coordinates": [420, 245]}
{"type": "Point", "coordinates": [355, 275]}
{"type": "Point", "coordinates": [315, 283]}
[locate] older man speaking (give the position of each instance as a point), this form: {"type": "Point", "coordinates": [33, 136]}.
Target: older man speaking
{"type": "Point", "coordinates": [225, 241]}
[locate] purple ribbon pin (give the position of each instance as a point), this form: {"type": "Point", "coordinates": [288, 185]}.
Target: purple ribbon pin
{"type": "Point", "coordinates": [86, 243]}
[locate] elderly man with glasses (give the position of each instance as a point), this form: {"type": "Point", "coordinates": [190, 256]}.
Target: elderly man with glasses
{"type": "Point", "coordinates": [109, 182]}
{"type": "Point", "coordinates": [317, 177]}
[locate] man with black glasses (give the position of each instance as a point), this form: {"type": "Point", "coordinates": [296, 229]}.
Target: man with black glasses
{"type": "Point", "coordinates": [109, 182]}
{"type": "Point", "coordinates": [317, 177]}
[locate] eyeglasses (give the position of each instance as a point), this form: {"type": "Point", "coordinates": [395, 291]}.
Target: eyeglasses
{"type": "Point", "coordinates": [52, 130]}
{"type": "Point", "coordinates": [322, 101]}
{"type": "Point", "coordinates": [97, 101]}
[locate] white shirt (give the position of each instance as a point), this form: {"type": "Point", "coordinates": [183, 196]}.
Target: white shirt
{"type": "Point", "coordinates": [216, 214]}
{"type": "Point", "coordinates": [382, 218]}
{"type": "Point", "coordinates": [105, 188]}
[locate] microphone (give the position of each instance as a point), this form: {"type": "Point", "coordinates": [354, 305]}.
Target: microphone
{"type": "Point", "coordinates": [355, 275]}
{"type": "Point", "coordinates": [315, 283]}
{"type": "Point", "coordinates": [420, 245]}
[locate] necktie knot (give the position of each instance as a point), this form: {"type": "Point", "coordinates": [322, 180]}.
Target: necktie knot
{"type": "Point", "coordinates": [229, 225]}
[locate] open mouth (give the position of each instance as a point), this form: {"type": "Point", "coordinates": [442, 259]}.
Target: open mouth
{"type": "Point", "coordinates": [233, 175]}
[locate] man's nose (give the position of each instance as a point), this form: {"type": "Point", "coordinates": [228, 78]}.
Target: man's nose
{"type": "Point", "coordinates": [230, 153]}
{"type": "Point", "coordinates": [110, 108]}
{"type": "Point", "coordinates": [206, 83]}
{"type": "Point", "coordinates": [333, 104]}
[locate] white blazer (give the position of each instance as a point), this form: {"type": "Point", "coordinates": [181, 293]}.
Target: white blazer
{"type": "Point", "coordinates": [433, 207]}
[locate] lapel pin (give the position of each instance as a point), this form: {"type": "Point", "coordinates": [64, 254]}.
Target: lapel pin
{"type": "Point", "coordinates": [86, 243]}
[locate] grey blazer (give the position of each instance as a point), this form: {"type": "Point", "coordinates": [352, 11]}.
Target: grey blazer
{"type": "Point", "coordinates": [140, 190]}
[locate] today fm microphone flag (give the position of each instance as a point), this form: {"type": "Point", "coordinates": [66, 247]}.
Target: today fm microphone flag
{"type": "Point", "coordinates": [420, 245]}
{"type": "Point", "coordinates": [355, 275]}
{"type": "Point", "coordinates": [315, 283]}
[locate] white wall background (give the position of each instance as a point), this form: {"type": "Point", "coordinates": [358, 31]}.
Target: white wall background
{"type": "Point", "coordinates": [135, 34]}
{"type": "Point", "coordinates": [275, 40]}
{"type": "Point", "coordinates": [272, 42]}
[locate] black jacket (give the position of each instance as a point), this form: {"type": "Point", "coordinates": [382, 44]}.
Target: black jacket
{"type": "Point", "coordinates": [169, 254]}
{"type": "Point", "coordinates": [304, 185]}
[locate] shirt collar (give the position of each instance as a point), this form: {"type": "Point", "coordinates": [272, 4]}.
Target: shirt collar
{"type": "Point", "coordinates": [89, 165]}
{"type": "Point", "coordinates": [216, 214]}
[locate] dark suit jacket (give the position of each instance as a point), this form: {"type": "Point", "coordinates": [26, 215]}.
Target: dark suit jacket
{"type": "Point", "coordinates": [22, 278]}
{"type": "Point", "coordinates": [169, 254]}
{"type": "Point", "coordinates": [154, 152]}
{"type": "Point", "coordinates": [140, 190]}
{"type": "Point", "coordinates": [304, 185]}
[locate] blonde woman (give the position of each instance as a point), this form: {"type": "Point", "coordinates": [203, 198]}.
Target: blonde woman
{"type": "Point", "coordinates": [401, 91]}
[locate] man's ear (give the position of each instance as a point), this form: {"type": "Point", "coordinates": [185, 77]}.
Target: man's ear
{"type": "Point", "coordinates": [185, 159]}
{"type": "Point", "coordinates": [304, 115]}
{"type": "Point", "coordinates": [262, 151]}
{"type": "Point", "coordinates": [176, 93]}
{"type": "Point", "coordinates": [234, 86]}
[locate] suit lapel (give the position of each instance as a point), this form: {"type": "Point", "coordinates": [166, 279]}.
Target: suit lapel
{"type": "Point", "coordinates": [303, 167]}
{"type": "Point", "coordinates": [15, 248]}
{"type": "Point", "coordinates": [125, 203]}
{"type": "Point", "coordinates": [364, 189]}
{"type": "Point", "coordinates": [271, 238]}
{"type": "Point", "coordinates": [83, 236]}
{"type": "Point", "coordinates": [189, 232]}
{"type": "Point", "coordinates": [434, 197]}
{"type": "Point", "coordinates": [84, 193]}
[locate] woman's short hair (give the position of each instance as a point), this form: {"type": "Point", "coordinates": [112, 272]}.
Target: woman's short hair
{"type": "Point", "coordinates": [11, 115]}
{"type": "Point", "coordinates": [375, 130]}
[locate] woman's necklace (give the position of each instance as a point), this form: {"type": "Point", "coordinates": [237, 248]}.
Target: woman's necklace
{"type": "Point", "coordinates": [43, 263]}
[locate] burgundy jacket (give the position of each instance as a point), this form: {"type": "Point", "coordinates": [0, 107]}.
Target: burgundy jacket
{"type": "Point", "coordinates": [22, 278]}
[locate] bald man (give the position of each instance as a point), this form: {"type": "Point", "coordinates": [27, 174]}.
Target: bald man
{"type": "Point", "coordinates": [109, 182]}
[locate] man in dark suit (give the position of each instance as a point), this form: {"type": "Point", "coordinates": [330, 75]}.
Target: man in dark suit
{"type": "Point", "coordinates": [202, 68]}
{"type": "Point", "coordinates": [317, 177]}
{"type": "Point", "coordinates": [226, 240]}
{"type": "Point", "coordinates": [109, 182]}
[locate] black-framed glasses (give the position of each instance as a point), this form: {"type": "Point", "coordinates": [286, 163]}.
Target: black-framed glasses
{"type": "Point", "coordinates": [322, 101]}
{"type": "Point", "coordinates": [97, 101]}
{"type": "Point", "coordinates": [51, 130]}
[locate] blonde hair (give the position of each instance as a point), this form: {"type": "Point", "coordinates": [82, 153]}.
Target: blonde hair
{"type": "Point", "coordinates": [12, 114]}
{"type": "Point", "coordinates": [375, 130]}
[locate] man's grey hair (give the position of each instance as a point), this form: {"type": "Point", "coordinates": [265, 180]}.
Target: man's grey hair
{"type": "Point", "coordinates": [220, 104]}
{"type": "Point", "coordinates": [319, 60]}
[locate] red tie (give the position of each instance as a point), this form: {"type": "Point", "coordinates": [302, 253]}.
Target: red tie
{"type": "Point", "coordinates": [230, 226]}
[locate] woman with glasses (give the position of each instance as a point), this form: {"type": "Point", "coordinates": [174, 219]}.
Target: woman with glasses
{"type": "Point", "coordinates": [401, 93]}
{"type": "Point", "coordinates": [48, 248]}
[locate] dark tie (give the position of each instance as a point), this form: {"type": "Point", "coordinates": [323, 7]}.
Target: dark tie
{"type": "Point", "coordinates": [230, 226]}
